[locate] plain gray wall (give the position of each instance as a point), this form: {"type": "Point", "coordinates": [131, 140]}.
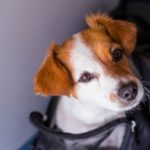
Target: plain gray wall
{"type": "Point", "coordinates": [26, 29]}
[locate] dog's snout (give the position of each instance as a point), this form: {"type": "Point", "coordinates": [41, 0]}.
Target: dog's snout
{"type": "Point", "coordinates": [128, 92]}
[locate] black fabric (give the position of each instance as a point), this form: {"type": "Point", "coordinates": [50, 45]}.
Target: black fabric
{"type": "Point", "coordinates": [53, 138]}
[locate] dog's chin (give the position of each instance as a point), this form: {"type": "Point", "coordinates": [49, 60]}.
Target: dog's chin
{"type": "Point", "coordinates": [130, 106]}
{"type": "Point", "coordinates": [121, 107]}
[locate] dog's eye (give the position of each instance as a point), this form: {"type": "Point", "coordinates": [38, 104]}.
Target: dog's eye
{"type": "Point", "coordinates": [86, 77]}
{"type": "Point", "coordinates": [117, 54]}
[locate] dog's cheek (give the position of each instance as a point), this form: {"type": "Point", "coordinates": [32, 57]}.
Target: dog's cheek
{"type": "Point", "coordinates": [87, 91]}
{"type": "Point", "coordinates": [80, 91]}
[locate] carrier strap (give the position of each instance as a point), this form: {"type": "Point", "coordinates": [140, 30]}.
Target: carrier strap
{"type": "Point", "coordinates": [51, 110]}
{"type": "Point", "coordinates": [36, 119]}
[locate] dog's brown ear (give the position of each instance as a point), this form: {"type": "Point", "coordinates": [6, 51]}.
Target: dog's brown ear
{"type": "Point", "coordinates": [52, 77]}
{"type": "Point", "coordinates": [122, 32]}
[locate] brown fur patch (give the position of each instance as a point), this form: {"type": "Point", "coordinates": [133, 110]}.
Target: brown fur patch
{"type": "Point", "coordinates": [106, 34]}
{"type": "Point", "coordinates": [122, 32]}
{"type": "Point", "coordinates": [101, 45]}
{"type": "Point", "coordinates": [53, 76]}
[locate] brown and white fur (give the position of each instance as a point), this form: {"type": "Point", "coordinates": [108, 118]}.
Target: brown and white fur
{"type": "Point", "coordinates": [84, 72]}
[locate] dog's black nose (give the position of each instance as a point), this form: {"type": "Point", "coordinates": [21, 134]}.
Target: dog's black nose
{"type": "Point", "coordinates": [128, 91]}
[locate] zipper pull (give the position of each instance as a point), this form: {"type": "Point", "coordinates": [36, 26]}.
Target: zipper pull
{"type": "Point", "coordinates": [134, 131]}
{"type": "Point", "coordinates": [45, 118]}
{"type": "Point", "coordinates": [133, 126]}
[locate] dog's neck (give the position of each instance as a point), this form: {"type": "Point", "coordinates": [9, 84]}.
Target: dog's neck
{"type": "Point", "coordinates": [80, 117]}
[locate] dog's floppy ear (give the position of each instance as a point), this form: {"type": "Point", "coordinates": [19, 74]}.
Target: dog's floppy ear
{"type": "Point", "coordinates": [122, 32]}
{"type": "Point", "coordinates": [52, 78]}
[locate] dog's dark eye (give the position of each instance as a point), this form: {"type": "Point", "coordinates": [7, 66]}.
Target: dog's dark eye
{"type": "Point", "coordinates": [117, 55]}
{"type": "Point", "coordinates": [86, 77]}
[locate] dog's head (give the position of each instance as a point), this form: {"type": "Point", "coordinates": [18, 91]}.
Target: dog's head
{"type": "Point", "coordinates": [93, 66]}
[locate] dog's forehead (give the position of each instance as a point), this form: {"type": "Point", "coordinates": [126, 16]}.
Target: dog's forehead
{"type": "Point", "coordinates": [96, 37]}
{"type": "Point", "coordinates": [83, 57]}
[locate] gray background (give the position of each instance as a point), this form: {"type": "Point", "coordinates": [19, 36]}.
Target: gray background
{"type": "Point", "coordinates": [26, 29]}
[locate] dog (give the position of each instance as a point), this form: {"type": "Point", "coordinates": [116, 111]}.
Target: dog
{"type": "Point", "coordinates": [93, 73]}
